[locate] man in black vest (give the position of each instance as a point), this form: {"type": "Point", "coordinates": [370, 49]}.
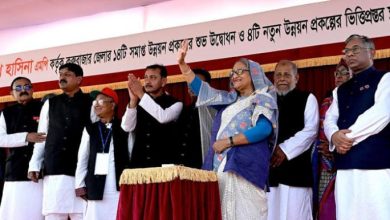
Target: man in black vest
{"type": "Point", "coordinates": [151, 114]}
{"type": "Point", "coordinates": [104, 153]}
{"type": "Point", "coordinates": [357, 123]}
{"type": "Point", "coordinates": [22, 199]}
{"type": "Point", "coordinates": [195, 128]}
{"type": "Point", "coordinates": [63, 118]}
{"type": "Point", "coordinates": [290, 195]}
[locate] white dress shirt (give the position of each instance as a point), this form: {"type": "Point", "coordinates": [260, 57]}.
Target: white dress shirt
{"type": "Point", "coordinates": [303, 139]}
{"type": "Point", "coordinates": [82, 161]}
{"type": "Point", "coordinates": [371, 122]}
{"type": "Point", "coordinates": [129, 119]}
{"type": "Point", "coordinates": [21, 199]}
{"type": "Point", "coordinates": [357, 189]}
{"type": "Point", "coordinates": [58, 190]}
{"type": "Point", "coordinates": [11, 140]}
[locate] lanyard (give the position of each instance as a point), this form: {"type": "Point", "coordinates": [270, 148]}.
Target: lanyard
{"type": "Point", "coordinates": [104, 140]}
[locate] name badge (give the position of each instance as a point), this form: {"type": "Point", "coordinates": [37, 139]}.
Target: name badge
{"type": "Point", "coordinates": [101, 164]}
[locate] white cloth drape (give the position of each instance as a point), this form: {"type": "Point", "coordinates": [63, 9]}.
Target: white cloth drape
{"type": "Point", "coordinates": [21, 200]}
{"type": "Point", "coordinates": [290, 203]}
{"type": "Point", "coordinates": [362, 194]}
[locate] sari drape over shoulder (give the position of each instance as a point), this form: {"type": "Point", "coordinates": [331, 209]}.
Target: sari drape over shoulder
{"type": "Point", "coordinates": [237, 114]}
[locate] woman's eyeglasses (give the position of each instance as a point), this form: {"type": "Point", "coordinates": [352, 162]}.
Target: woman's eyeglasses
{"type": "Point", "coordinates": [26, 87]}
{"type": "Point", "coordinates": [100, 102]}
{"type": "Point", "coordinates": [238, 72]}
{"type": "Point", "coordinates": [341, 73]}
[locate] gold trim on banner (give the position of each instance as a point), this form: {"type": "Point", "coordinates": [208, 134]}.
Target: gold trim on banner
{"type": "Point", "coordinates": [216, 74]}
{"type": "Point", "coordinates": [165, 174]}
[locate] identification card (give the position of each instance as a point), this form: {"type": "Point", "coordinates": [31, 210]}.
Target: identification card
{"type": "Point", "coordinates": [101, 164]}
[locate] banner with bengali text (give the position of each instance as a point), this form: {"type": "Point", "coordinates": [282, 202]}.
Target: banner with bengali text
{"type": "Point", "coordinates": [303, 26]}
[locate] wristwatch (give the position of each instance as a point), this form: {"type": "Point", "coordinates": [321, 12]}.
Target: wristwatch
{"type": "Point", "coordinates": [231, 141]}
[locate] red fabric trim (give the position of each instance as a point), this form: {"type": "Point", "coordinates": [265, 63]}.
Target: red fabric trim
{"type": "Point", "coordinates": [177, 199]}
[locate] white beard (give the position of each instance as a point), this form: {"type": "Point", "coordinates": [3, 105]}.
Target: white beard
{"type": "Point", "coordinates": [283, 93]}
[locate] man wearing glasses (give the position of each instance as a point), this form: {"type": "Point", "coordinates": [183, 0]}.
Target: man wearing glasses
{"type": "Point", "coordinates": [22, 199]}
{"type": "Point", "coordinates": [290, 174]}
{"type": "Point", "coordinates": [63, 118]}
{"type": "Point", "coordinates": [104, 153]}
{"type": "Point", "coordinates": [357, 123]}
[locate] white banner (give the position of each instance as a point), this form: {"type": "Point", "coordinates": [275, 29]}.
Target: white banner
{"type": "Point", "coordinates": [309, 25]}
